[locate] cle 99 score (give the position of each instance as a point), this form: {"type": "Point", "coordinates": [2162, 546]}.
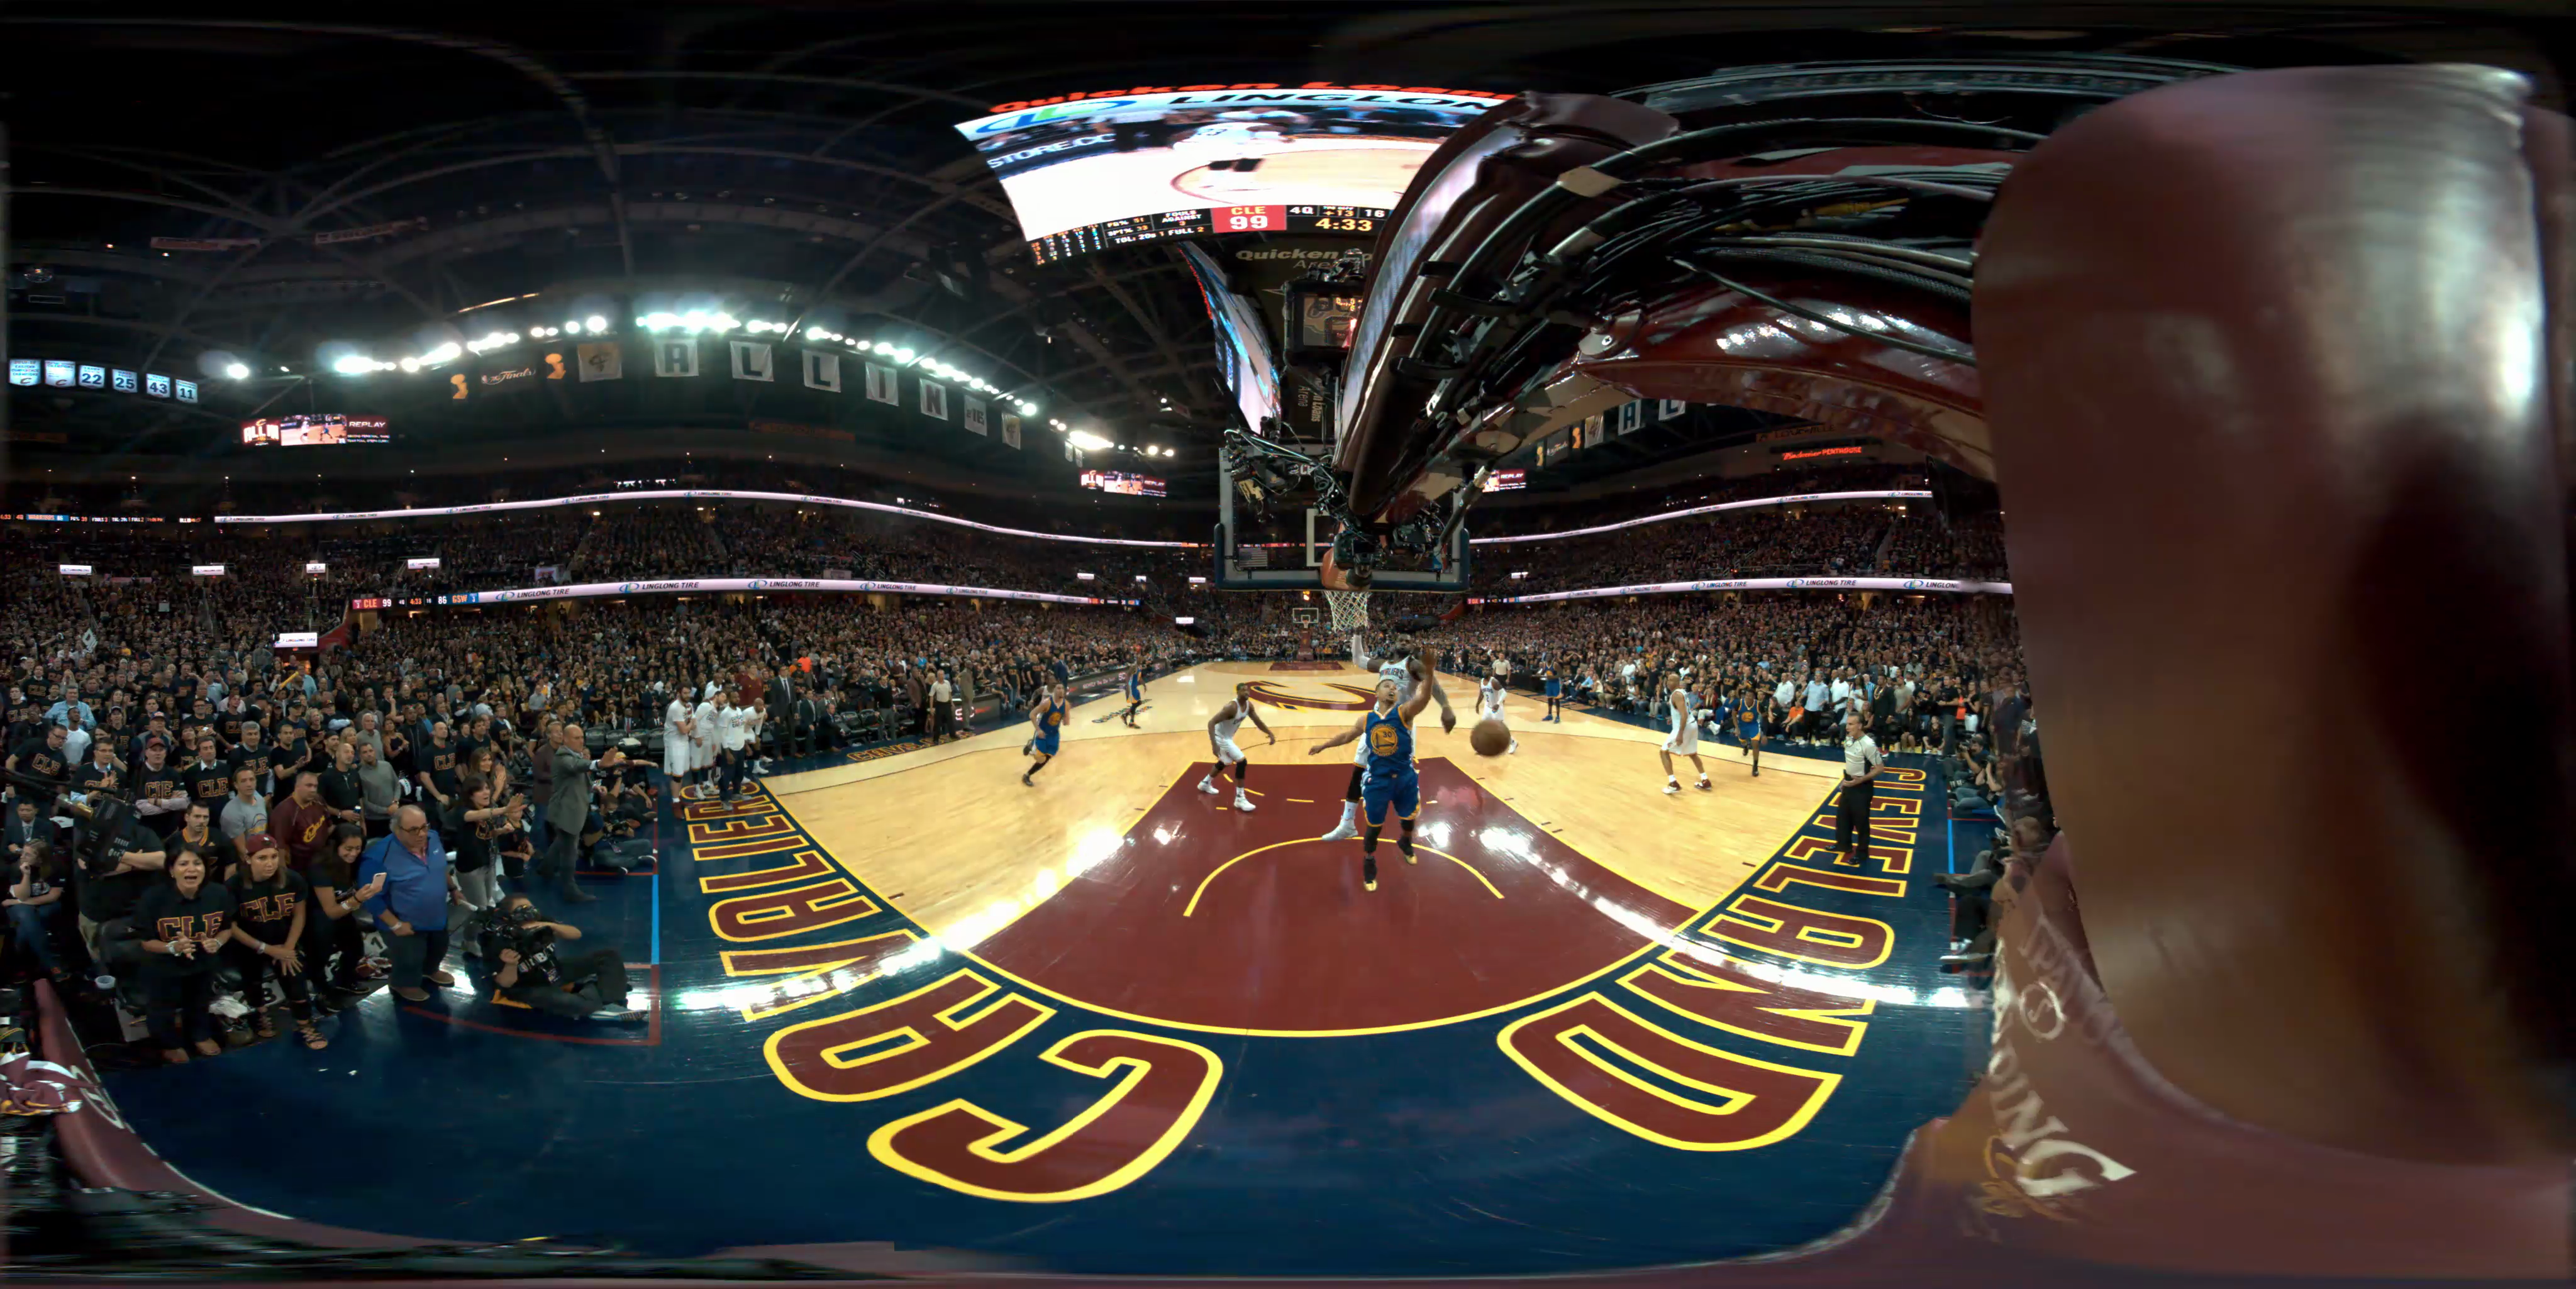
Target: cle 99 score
{"type": "Point", "coordinates": [1251, 219]}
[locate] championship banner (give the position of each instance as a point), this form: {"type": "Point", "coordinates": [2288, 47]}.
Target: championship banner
{"type": "Point", "coordinates": [751, 360]}
{"type": "Point", "coordinates": [934, 400]}
{"type": "Point", "coordinates": [974, 415]}
{"type": "Point", "coordinates": [1919, 585]}
{"type": "Point", "coordinates": [509, 380]}
{"type": "Point", "coordinates": [1884, 494]}
{"type": "Point", "coordinates": [601, 360]}
{"type": "Point", "coordinates": [675, 357]}
{"type": "Point", "coordinates": [881, 385]}
{"type": "Point", "coordinates": [822, 371]}
{"type": "Point", "coordinates": [204, 243]}
{"type": "Point", "coordinates": [371, 230]}
{"type": "Point", "coordinates": [1010, 430]}
{"type": "Point", "coordinates": [760, 585]}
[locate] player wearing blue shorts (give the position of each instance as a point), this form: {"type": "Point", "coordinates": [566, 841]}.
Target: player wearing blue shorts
{"type": "Point", "coordinates": [1555, 694]}
{"type": "Point", "coordinates": [1048, 716]}
{"type": "Point", "coordinates": [1385, 735]}
{"type": "Point", "coordinates": [1748, 727]}
{"type": "Point", "coordinates": [1135, 693]}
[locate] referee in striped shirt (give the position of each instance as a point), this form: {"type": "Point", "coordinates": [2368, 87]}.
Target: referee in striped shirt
{"type": "Point", "coordinates": [1862, 764]}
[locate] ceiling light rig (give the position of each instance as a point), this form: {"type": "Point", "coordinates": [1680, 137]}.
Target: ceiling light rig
{"type": "Point", "coordinates": [689, 322]}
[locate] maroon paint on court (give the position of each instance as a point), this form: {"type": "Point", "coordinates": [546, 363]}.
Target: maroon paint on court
{"type": "Point", "coordinates": [1288, 940]}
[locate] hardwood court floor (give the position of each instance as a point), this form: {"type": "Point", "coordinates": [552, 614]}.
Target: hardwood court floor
{"type": "Point", "coordinates": [950, 836]}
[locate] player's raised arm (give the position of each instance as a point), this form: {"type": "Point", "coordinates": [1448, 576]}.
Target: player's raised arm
{"type": "Point", "coordinates": [1426, 682]}
{"type": "Point", "coordinates": [1346, 736]}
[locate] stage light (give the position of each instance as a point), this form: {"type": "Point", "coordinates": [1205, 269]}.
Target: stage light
{"type": "Point", "coordinates": [594, 324]}
{"type": "Point", "coordinates": [355, 365]}
{"type": "Point", "coordinates": [237, 371]}
{"type": "Point", "coordinates": [1028, 409]}
{"type": "Point", "coordinates": [903, 355]}
{"type": "Point", "coordinates": [1087, 441]}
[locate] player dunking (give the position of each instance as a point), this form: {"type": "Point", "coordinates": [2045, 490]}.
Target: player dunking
{"type": "Point", "coordinates": [1684, 739]}
{"type": "Point", "coordinates": [1048, 716]}
{"type": "Point", "coordinates": [1489, 706]}
{"type": "Point", "coordinates": [1385, 736]}
{"type": "Point", "coordinates": [1404, 672]}
{"type": "Point", "coordinates": [1135, 693]}
{"type": "Point", "coordinates": [1221, 728]}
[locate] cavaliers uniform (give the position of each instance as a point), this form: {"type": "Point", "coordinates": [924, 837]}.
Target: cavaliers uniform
{"type": "Point", "coordinates": [267, 910]}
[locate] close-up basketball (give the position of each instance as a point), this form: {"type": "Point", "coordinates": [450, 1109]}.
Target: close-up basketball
{"type": "Point", "coordinates": [1490, 738]}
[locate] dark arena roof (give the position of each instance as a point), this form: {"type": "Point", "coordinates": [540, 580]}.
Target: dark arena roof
{"type": "Point", "coordinates": [637, 638]}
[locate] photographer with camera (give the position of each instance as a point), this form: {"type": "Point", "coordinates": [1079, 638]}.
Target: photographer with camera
{"type": "Point", "coordinates": [536, 972]}
{"type": "Point", "coordinates": [184, 924]}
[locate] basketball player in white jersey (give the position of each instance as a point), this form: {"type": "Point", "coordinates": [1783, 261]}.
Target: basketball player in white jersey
{"type": "Point", "coordinates": [675, 742]}
{"type": "Point", "coordinates": [1684, 739]}
{"type": "Point", "coordinates": [1221, 728]}
{"type": "Point", "coordinates": [1489, 705]}
{"type": "Point", "coordinates": [703, 729]}
{"type": "Point", "coordinates": [1406, 672]}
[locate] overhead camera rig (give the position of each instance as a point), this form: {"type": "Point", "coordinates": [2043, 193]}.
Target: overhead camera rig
{"type": "Point", "coordinates": [1268, 476]}
{"type": "Point", "coordinates": [1813, 255]}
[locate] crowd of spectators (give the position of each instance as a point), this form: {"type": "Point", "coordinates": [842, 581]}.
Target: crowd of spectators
{"type": "Point", "coordinates": [1825, 542]}
{"type": "Point", "coordinates": [452, 721]}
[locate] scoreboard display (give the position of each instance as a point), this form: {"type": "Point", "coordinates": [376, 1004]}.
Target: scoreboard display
{"type": "Point", "coordinates": [1133, 485]}
{"type": "Point", "coordinates": [1358, 221]}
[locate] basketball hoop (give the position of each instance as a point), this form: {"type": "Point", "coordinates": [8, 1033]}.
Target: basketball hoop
{"type": "Point", "coordinates": [1349, 608]}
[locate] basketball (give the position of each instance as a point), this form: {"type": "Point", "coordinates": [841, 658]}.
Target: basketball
{"type": "Point", "coordinates": [1490, 737]}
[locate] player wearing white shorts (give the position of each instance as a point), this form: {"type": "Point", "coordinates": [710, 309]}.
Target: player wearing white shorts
{"type": "Point", "coordinates": [1489, 706]}
{"type": "Point", "coordinates": [1221, 728]}
{"type": "Point", "coordinates": [1403, 671]}
{"type": "Point", "coordinates": [1684, 739]}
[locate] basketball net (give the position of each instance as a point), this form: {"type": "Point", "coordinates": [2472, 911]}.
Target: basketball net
{"type": "Point", "coordinates": [1349, 609]}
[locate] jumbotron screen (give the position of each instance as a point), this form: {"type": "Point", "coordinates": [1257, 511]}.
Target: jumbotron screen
{"type": "Point", "coordinates": [1133, 485]}
{"type": "Point", "coordinates": [1114, 169]}
{"type": "Point", "coordinates": [319, 429]}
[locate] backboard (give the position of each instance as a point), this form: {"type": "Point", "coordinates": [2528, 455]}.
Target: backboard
{"type": "Point", "coordinates": [1285, 550]}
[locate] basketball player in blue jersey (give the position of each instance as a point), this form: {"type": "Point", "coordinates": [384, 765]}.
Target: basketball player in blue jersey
{"type": "Point", "coordinates": [1135, 693]}
{"type": "Point", "coordinates": [1748, 727]}
{"type": "Point", "coordinates": [1048, 716]}
{"type": "Point", "coordinates": [1385, 736]}
{"type": "Point", "coordinates": [1405, 672]}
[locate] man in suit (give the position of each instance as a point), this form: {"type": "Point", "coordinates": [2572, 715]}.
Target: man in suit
{"type": "Point", "coordinates": [804, 723]}
{"type": "Point", "coordinates": [784, 695]}
{"type": "Point", "coordinates": [567, 813]}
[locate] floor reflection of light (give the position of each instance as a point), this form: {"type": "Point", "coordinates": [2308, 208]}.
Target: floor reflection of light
{"type": "Point", "coordinates": [1437, 834]}
{"type": "Point", "coordinates": [1516, 844]}
{"type": "Point", "coordinates": [1097, 847]}
{"type": "Point", "coordinates": [1164, 833]}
